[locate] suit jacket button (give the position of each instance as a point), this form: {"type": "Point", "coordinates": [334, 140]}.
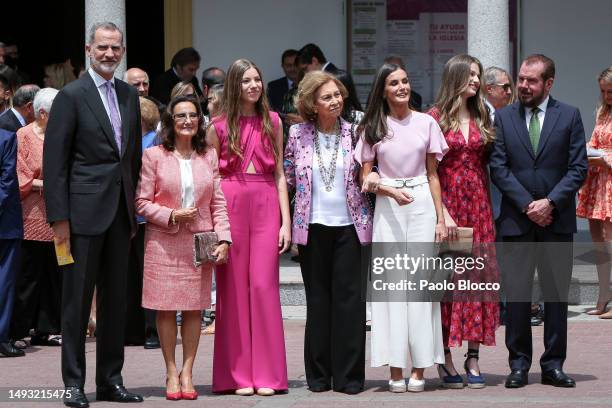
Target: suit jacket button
{"type": "Point", "coordinates": [535, 167]}
{"type": "Point", "coordinates": [118, 182]}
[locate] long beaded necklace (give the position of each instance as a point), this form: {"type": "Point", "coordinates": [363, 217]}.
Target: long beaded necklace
{"type": "Point", "coordinates": [328, 173]}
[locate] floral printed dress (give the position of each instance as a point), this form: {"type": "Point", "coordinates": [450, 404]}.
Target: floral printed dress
{"type": "Point", "coordinates": [595, 196]}
{"type": "Point", "coordinates": [465, 193]}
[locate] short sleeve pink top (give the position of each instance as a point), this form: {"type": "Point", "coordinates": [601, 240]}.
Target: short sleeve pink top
{"type": "Point", "coordinates": [403, 153]}
{"type": "Point", "coordinates": [255, 146]}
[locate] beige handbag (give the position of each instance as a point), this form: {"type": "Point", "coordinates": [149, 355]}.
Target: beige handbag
{"type": "Point", "coordinates": [463, 243]}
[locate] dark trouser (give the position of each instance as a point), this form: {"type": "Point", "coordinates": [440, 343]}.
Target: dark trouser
{"type": "Point", "coordinates": [38, 291]}
{"type": "Point", "coordinates": [9, 254]}
{"type": "Point", "coordinates": [139, 321]}
{"type": "Point", "coordinates": [100, 260]}
{"type": "Point", "coordinates": [334, 344]}
{"type": "Point", "coordinates": [554, 272]}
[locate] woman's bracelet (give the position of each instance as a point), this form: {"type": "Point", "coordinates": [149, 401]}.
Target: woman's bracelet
{"type": "Point", "coordinates": [172, 219]}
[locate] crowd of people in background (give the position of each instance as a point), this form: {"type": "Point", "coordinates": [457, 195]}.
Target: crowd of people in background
{"type": "Point", "coordinates": [134, 168]}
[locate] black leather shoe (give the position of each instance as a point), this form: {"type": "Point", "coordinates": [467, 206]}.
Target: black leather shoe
{"type": "Point", "coordinates": [557, 378]}
{"type": "Point", "coordinates": [75, 397]}
{"type": "Point", "coordinates": [9, 350]}
{"type": "Point", "coordinates": [319, 388]}
{"type": "Point", "coordinates": [116, 393]}
{"type": "Point", "coordinates": [350, 389]}
{"type": "Point", "coordinates": [516, 379]}
{"type": "Point", "coordinates": [152, 342]}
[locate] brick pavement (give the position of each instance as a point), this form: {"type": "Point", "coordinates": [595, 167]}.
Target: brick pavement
{"type": "Point", "coordinates": [589, 362]}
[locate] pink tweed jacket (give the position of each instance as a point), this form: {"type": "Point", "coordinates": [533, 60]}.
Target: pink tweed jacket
{"type": "Point", "coordinates": [299, 154]}
{"type": "Point", "coordinates": [159, 192]}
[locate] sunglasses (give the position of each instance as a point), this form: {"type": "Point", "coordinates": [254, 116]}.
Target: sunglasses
{"type": "Point", "coordinates": [506, 86]}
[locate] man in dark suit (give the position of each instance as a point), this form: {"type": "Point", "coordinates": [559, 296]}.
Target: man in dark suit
{"type": "Point", "coordinates": [22, 112]}
{"type": "Point", "coordinates": [5, 93]}
{"type": "Point", "coordinates": [11, 233]}
{"type": "Point", "coordinates": [92, 163]}
{"type": "Point", "coordinates": [538, 163]}
{"type": "Point", "coordinates": [183, 67]}
{"type": "Point", "coordinates": [210, 77]}
{"type": "Point", "coordinates": [278, 88]}
{"type": "Point", "coordinates": [311, 58]}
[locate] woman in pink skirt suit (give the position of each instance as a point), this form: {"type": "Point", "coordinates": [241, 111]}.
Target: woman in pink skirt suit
{"type": "Point", "coordinates": [179, 194]}
{"type": "Point", "coordinates": [249, 339]}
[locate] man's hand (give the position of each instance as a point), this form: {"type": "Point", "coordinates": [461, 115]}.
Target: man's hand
{"type": "Point", "coordinates": [540, 212]}
{"type": "Point", "coordinates": [61, 233]}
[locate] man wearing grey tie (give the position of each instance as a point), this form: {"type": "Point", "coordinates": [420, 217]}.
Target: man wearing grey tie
{"type": "Point", "coordinates": [91, 159]}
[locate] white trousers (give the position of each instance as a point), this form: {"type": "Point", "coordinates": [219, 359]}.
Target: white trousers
{"type": "Point", "coordinates": [403, 329]}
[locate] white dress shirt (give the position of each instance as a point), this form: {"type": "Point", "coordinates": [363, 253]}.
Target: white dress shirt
{"type": "Point", "coordinates": [99, 81]}
{"type": "Point", "coordinates": [541, 113]}
{"type": "Point", "coordinates": [187, 199]}
{"type": "Point", "coordinates": [20, 118]}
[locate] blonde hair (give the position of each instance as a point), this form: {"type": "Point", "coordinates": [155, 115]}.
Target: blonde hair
{"type": "Point", "coordinates": [306, 96]}
{"type": "Point", "coordinates": [231, 104]}
{"type": "Point", "coordinates": [182, 88]}
{"type": "Point", "coordinates": [149, 114]}
{"type": "Point", "coordinates": [455, 80]}
{"type": "Point", "coordinates": [603, 109]}
{"type": "Point", "coordinates": [60, 74]}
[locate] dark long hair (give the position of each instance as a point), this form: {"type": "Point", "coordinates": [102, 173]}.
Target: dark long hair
{"type": "Point", "coordinates": [168, 137]}
{"type": "Point", "coordinates": [351, 102]}
{"type": "Point", "coordinates": [373, 126]}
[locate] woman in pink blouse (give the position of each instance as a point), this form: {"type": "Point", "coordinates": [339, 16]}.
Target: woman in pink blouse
{"type": "Point", "coordinates": [38, 292]}
{"type": "Point", "coordinates": [179, 195]}
{"type": "Point", "coordinates": [406, 146]}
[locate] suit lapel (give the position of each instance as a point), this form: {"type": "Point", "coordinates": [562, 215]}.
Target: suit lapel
{"type": "Point", "coordinates": [14, 119]}
{"type": "Point", "coordinates": [122, 97]}
{"type": "Point", "coordinates": [94, 101]}
{"type": "Point", "coordinates": [550, 119]}
{"type": "Point", "coordinates": [518, 119]}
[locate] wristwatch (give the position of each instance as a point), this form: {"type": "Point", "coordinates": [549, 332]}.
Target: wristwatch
{"type": "Point", "coordinates": [552, 203]}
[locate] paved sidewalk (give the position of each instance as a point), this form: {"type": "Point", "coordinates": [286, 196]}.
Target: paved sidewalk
{"type": "Point", "coordinates": [589, 362]}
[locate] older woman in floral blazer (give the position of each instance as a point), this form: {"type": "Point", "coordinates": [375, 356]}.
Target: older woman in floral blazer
{"type": "Point", "coordinates": [331, 222]}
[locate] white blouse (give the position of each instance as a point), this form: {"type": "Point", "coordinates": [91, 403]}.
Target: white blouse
{"type": "Point", "coordinates": [329, 207]}
{"type": "Point", "coordinates": [187, 199]}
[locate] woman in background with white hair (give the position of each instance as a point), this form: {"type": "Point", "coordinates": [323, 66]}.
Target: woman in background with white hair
{"type": "Point", "coordinates": [38, 286]}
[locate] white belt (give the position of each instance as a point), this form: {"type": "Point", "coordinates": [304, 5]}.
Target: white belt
{"type": "Point", "coordinates": [404, 182]}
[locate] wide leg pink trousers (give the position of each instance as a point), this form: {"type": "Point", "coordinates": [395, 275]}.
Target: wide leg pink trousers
{"type": "Point", "coordinates": [249, 336]}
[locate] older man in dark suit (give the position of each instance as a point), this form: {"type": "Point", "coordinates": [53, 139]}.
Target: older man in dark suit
{"type": "Point", "coordinates": [91, 159]}
{"type": "Point", "coordinates": [538, 163]}
{"type": "Point", "coordinates": [22, 112]}
{"type": "Point", "coordinates": [11, 233]}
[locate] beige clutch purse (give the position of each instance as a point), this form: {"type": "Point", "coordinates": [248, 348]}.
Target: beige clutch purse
{"type": "Point", "coordinates": [463, 243]}
{"type": "Point", "coordinates": [204, 244]}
